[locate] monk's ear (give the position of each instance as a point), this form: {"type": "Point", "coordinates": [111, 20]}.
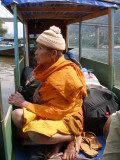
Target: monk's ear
{"type": "Point", "coordinates": [54, 54]}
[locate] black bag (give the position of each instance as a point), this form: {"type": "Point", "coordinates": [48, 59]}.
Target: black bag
{"type": "Point", "coordinates": [27, 76]}
{"type": "Point", "coordinates": [96, 107]}
{"type": "Point", "coordinates": [28, 84]}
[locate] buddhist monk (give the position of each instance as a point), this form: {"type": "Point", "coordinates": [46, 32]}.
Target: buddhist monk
{"type": "Point", "coordinates": [55, 117]}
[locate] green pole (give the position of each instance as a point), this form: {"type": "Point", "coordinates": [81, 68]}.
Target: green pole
{"type": "Point", "coordinates": [2, 133]}
{"type": "Point", "coordinates": [111, 49]}
{"type": "Point", "coordinates": [17, 71]}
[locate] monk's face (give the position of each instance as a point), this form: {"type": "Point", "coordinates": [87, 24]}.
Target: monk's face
{"type": "Point", "coordinates": [42, 55]}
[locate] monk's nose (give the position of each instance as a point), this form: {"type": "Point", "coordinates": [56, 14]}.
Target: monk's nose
{"type": "Point", "coordinates": [35, 52]}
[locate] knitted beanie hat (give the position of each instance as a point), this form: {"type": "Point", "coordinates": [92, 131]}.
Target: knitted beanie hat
{"type": "Point", "coordinates": [52, 38]}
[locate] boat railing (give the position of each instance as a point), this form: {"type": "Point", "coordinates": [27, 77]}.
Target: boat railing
{"type": "Point", "coordinates": [100, 69]}
{"type": "Point", "coordinates": [5, 132]}
{"type": "Point", "coordinates": [6, 125]}
{"type": "Point", "coordinates": [21, 66]}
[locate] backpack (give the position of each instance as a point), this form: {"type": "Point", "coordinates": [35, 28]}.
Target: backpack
{"type": "Point", "coordinates": [100, 103]}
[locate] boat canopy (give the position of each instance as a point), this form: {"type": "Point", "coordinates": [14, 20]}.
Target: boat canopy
{"type": "Point", "coordinates": [83, 2]}
{"type": "Point", "coordinates": [65, 10]}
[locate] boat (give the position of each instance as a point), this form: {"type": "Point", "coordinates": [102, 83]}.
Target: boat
{"type": "Point", "coordinates": [36, 16]}
{"type": "Point", "coordinates": [1, 39]}
{"type": "Point", "coordinates": [8, 50]}
{"type": "Point", "coordinates": [7, 47]}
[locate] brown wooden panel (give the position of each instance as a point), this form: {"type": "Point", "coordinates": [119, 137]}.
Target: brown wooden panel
{"type": "Point", "coordinates": [59, 9]}
{"type": "Point", "coordinates": [51, 16]}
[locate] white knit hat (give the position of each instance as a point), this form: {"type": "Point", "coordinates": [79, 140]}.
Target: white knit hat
{"type": "Point", "coordinates": [52, 38]}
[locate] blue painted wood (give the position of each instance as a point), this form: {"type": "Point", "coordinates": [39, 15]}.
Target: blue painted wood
{"type": "Point", "coordinates": [37, 4]}
{"type": "Point", "coordinates": [23, 13]}
{"type": "Point", "coordinates": [17, 73]}
{"type": "Point", "coordinates": [25, 4]}
{"type": "Point", "coordinates": [30, 4]}
{"type": "Point", "coordinates": [95, 3]}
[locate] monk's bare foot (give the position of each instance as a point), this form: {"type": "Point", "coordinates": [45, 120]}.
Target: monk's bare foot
{"type": "Point", "coordinates": [72, 149]}
{"type": "Point", "coordinates": [54, 150]}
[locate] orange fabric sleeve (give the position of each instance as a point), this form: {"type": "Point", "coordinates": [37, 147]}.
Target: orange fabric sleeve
{"type": "Point", "coordinates": [46, 111]}
{"type": "Point", "coordinates": [66, 82]}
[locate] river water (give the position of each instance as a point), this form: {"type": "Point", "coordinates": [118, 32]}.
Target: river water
{"type": "Point", "coordinates": [101, 54]}
{"type": "Point", "coordinates": [7, 80]}
{"type": "Point", "coordinates": [7, 70]}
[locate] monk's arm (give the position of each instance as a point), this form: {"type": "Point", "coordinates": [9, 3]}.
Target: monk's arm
{"type": "Point", "coordinates": [45, 111]}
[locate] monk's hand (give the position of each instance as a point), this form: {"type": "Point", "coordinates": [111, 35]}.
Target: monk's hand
{"type": "Point", "coordinates": [18, 100]}
{"type": "Point", "coordinates": [37, 97]}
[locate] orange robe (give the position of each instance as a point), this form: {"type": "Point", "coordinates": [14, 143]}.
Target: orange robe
{"type": "Point", "coordinates": [63, 86]}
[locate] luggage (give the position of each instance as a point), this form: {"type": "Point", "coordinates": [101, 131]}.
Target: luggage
{"type": "Point", "coordinates": [97, 107]}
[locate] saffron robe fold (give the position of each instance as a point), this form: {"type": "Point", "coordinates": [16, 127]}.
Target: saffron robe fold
{"type": "Point", "coordinates": [63, 87]}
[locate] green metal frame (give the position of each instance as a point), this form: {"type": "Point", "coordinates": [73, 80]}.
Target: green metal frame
{"type": "Point", "coordinates": [8, 133]}
{"type": "Point", "coordinates": [99, 69]}
{"type": "Point", "coordinates": [111, 48]}
{"type": "Point", "coordinates": [116, 91]}
{"type": "Point", "coordinates": [2, 131]}
{"type": "Point", "coordinates": [5, 133]}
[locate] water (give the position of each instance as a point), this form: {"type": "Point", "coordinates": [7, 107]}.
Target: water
{"type": "Point", "coordinates": [4, 47]}
{"type": "Point", "coordinates": [7, 80]}
{"type": "Point", "coordinates": [102, 56]}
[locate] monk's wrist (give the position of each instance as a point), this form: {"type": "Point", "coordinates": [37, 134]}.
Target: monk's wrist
{"type": "Point", "coordinates": [25, 104]}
